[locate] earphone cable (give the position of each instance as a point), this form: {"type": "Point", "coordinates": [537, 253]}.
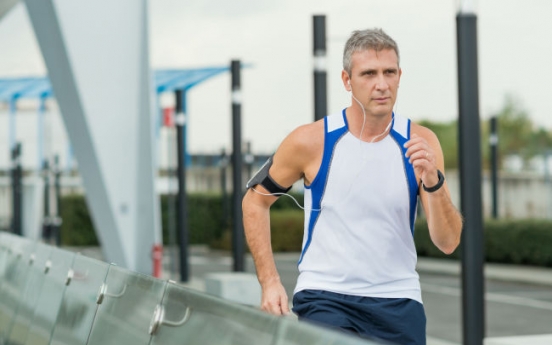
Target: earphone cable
{"type": "Point", "coordinates": [286, 194]}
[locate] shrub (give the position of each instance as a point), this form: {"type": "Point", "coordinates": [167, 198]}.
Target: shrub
{"type": "Point", "coordinates": [205, 221]}
{"type": "Point", "coordinates": [522, 242]}
{"type": "Point", "coordinates": [286, 230]}
{"type": "Point", "coordinates": [77, 228]}
{"type": "Point", "coordinates": [525, 242]}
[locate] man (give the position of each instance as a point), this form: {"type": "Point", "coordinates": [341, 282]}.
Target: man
{"type": "Point", "coordinates": [363, 171]}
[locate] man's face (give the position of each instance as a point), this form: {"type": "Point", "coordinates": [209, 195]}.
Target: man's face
{"type": "Point", "coordinates": [375, 77]}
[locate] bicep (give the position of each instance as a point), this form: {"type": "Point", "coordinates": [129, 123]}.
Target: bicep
{"type": "Point", "coordinates": [294, 156]}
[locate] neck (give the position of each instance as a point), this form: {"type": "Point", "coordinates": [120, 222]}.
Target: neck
{"type": "Point", "coordinates": [368, 127]}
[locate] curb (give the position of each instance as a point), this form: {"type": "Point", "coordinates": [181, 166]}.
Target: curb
{"type": "Point", "coordinates": [492, 271]}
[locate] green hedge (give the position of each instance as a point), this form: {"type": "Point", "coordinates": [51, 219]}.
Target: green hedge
{"type": "Point", "coordinates": [205, 220]}
{"type": "Point", "coordinates": [77, 228]}
{"type": "Point", "coordinates": [526, 242]}
{"type": "Point", "coordinates": [521, 242]}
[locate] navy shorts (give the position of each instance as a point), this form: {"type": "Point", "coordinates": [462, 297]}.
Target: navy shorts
{"type": "Point", "coordinates": [397, 320]}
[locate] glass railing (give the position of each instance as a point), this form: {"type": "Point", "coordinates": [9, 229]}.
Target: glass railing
{"type": "Point", "coordinates": [126, 301]}
{"type": "Point", "coordinates": [56, 278]}
{"type": "Point", "coordinates": [21, 322]}
{"type": "Point", "coordinates": [186, 316]}
{"type": "Point", "coordinates": [17, 259]}
{"type": "Point", "coordinates": [52, 296]}
{"type": "Point", "coordinates": [78, 307]}
{"type": "Point", "coordinates": [292, 332]}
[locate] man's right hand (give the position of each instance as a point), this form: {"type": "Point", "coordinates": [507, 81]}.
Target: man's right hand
{"type": "Point", "coordinates": [274, 299]}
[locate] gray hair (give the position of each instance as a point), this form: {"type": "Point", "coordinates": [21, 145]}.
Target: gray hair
{"type": "Point", "coordinates": [361, 40]}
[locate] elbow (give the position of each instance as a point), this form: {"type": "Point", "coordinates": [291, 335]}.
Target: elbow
{"type": "Point", "coordinates": [446, 236]}
{"type": "Point", "coordinates": [449, 245]}
{"type": "Point", "coordinates": [448, 249]}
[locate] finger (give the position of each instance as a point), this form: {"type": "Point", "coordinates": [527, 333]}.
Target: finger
{"type": "Point", "coordinates": [414, 139]}
{"type": "Point", "coordinates": [273, 308]}
{"type": "Point", "coordinates": [419, 154]}
{"type": "Point", "coordinates": [416, 147]}
{"type": "Point", "coordinates": [285, 306]}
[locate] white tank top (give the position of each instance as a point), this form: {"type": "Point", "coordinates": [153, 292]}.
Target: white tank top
{"type": "Point", "coordinates": [359, 216]}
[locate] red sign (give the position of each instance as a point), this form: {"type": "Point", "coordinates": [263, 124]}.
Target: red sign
{"type": "Point", "coordinates": [168, 117]}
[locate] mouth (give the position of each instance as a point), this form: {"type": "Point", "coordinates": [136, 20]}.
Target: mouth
{"type": "Point", "coordinates": [381, 99]}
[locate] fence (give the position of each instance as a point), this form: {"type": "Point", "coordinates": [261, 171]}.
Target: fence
{"type": "Point", "coordinates": [52, 296]}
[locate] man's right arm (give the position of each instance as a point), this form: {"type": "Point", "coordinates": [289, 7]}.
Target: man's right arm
{"type": "Point", "coordinates": [256, 222]}
{"type": "Point", "coordinates": [294, 154]}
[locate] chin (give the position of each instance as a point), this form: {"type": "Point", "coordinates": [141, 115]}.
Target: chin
{"type": "Point", "coordinates": [382, 111]}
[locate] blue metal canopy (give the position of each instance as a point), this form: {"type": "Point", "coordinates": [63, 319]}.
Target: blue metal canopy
{"type": "Point", "coordinates": [165, 80]}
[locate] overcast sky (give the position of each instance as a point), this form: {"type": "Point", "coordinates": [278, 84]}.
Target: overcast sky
{"type": "Point", "coordinates": [276, 38]}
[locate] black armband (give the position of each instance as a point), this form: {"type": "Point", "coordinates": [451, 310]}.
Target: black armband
{"type": "Point", "coordinates": [263, 178]}
{"type": "Point", "coordinates": [438, 185]}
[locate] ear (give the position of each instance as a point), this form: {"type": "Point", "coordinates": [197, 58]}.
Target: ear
{"type": "Point", "coordinates": [400, 73]}
{"type": "Point", "coordinates": [346, 80]}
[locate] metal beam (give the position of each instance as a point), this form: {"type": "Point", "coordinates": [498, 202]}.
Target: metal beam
{"type": "Point", "coordinates": [470, 182]}
{"type": "Point", "coordinates": [238, 241]}
{"type": "Point", "coordinates": [320, 74]}
{"type": "Point", "coordinates": [6, 6]}
{"type": "Point", "coordinates": [102, 82]}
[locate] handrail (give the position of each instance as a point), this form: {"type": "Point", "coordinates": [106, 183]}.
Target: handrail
{"type": "Point", "coordinates": [204, 316]}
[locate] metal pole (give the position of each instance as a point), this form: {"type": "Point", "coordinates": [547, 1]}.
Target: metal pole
{"type": "Point", "coordinates": [470, 182]}
{"type": "Point", "coordinates": [225, 206]}
{"type": "Point", "coordinates": [493, 140]}
{"type": "Point", "coordinates": [46, 229]}
{"type": "Point", "coordinates": [237, 166]}
{"type": "Point", "coordinates": [12, 124]}
{"type": "Point", "coordinates": [547, 155]}
{"type": "Point", "coordinates": [40, 132]}
{"type": "Point", "coordinates": [171, 199]}
{"type": "Point", "coordinates": [248, 159]}
{"type": "Point", "coordinates": [56, 217]}
{"type": "Point", "coordinates": [319, 52]}
{"type": "Point", "coordinates": [17, 190]}
{"type": "Point", "coordinates": [182, 212]}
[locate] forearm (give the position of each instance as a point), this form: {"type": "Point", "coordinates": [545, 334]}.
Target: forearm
{"type": "Point", "coordinates": [256, 221]}
{"type": "Point", "coordinates": [444, 221]}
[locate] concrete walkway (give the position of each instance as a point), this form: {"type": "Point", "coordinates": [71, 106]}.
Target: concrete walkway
{"type": "Point", "coordinates": [493, 271]}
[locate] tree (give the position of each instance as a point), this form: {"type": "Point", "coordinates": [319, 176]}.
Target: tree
{"type": "Point", "coordinates": [517, 135]}
{"type": "Point", "coordinates": [515, 129]}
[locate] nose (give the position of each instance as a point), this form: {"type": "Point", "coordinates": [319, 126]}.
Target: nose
{"type": "Point", "coordinates": [381, 84]}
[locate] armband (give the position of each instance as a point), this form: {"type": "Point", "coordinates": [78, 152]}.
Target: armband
{"type": "Point", "coordinates": [263, 178]}
{"type": "Point", "coordinates": [438, 185]}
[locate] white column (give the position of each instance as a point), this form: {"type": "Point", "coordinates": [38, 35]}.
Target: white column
{"type": "Point", "coordinates": [97, 57]}
{"type": "Point", "coordinates": [6, 6]}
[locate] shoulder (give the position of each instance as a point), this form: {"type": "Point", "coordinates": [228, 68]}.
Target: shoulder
{"type": "Point", "coordinates": [305, 138]}
{"type": "Point", "coordinates": [298, 153]}
{"type": "Point", "coordinates": [423, 132]}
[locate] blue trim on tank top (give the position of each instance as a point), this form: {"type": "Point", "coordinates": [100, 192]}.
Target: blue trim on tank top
{"type": "Point", "coordinates": [330, 140]}
{"type": "Point", "coordinates": [410, 174]}
{"type": "Point", "coordinates": [319, 183]}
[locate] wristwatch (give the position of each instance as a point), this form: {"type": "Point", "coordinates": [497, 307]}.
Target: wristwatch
{"type": "Point", "coordinates": [438, 185]}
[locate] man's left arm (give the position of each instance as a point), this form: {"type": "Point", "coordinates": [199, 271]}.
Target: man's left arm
{"type": "Point", "coordinates": [444, 220]}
